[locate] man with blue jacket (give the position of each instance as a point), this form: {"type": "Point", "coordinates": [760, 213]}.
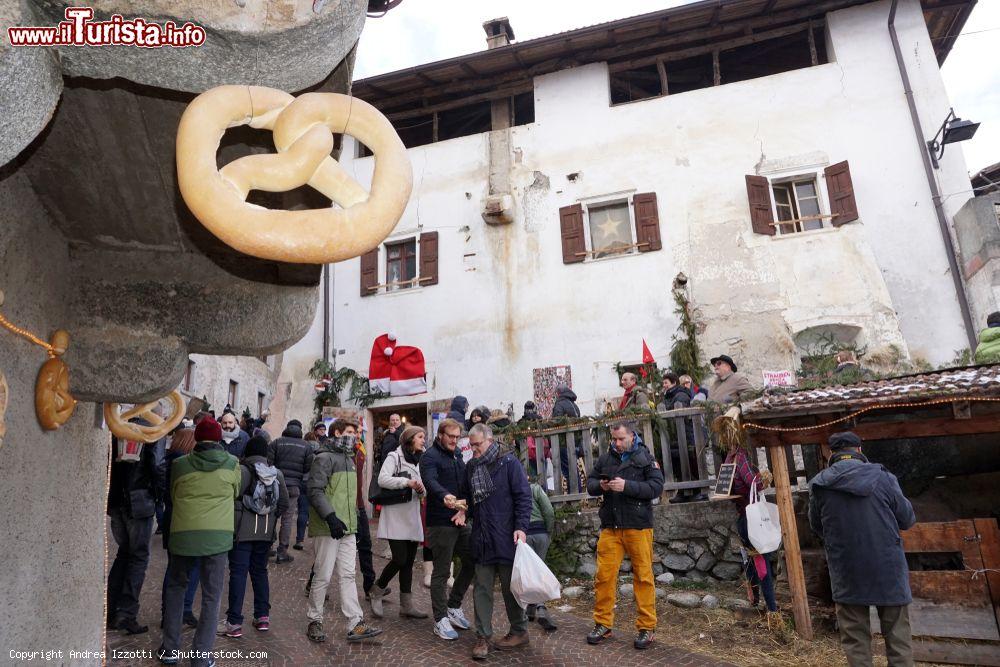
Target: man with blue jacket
{"type": "Point", "coordinates": [858, 510]}
{"type": "Point", "coordinates": [442, 471]}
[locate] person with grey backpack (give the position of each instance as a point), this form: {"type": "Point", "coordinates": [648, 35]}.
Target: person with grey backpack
{"type": "Point", "coordinates": [263, 498]}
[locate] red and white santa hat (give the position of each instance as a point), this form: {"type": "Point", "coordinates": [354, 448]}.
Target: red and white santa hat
{"type": "Point", "coordinates": [398, 370]}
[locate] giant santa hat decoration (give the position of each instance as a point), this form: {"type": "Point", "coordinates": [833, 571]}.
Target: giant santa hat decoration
{"type": "Point", "coordinates": [397, 370]}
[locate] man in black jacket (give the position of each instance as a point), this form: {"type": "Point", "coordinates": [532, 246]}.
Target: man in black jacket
{"type": "Point", "coordinates": [293, 457]}
{"type": "Point", "coordinates": [858, 509]}
{"type": "Point", "coordinates": [628, 479]}
{"type": "Point", "coordinates": [132, 496]}
{"type": "Point", "coordinates": [442, 471]}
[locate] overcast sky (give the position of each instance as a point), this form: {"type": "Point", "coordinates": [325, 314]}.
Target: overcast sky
{"type": "Point", "coordinates": [422, 31]}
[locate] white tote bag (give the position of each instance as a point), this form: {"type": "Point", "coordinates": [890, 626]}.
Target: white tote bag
{"type": "Point", "coordinates": [763, 525]}
{"type": "Point", "coordinates": [532, 582]}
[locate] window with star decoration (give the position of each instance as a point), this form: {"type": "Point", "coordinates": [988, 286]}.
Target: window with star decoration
{"type": "Point", "coordinates": [610, 227]}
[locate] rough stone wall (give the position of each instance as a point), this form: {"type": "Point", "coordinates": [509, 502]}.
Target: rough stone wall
{"type": "Point", "coordinates": [53, 483]}
{"type": "Point", "coordinates": [693, 540]}
{"type": "Point", "coordinates": [977, 226]}
{"type": "Point", "coordinates": [211, 376]}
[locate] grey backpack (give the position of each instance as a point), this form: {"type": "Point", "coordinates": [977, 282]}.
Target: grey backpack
{"type": "Point", "coordinates": [262, 496]}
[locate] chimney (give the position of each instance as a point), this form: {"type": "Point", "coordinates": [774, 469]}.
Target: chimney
{"type": "Point", "coordinates": [498, 33]}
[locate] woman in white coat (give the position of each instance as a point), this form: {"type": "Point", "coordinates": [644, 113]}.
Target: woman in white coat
{"type": "Point", "coordinates": [401, 524]}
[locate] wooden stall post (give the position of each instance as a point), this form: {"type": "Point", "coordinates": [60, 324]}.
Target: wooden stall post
{"type": "Point", "coordinates": [790, 539]}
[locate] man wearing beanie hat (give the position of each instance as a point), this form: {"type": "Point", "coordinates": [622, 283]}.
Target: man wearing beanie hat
{"type": "Point", "coordinates": [858, 510]}
{"type": "Point", "coordinates": [203, 488]}
{"type": "Point", "coordinates": [292, 456]}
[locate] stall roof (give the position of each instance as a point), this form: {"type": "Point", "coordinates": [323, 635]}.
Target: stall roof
{"type": "Point", "coordinates": [954, 383]}
{"type": "Point", "coordinates": [664, 30]}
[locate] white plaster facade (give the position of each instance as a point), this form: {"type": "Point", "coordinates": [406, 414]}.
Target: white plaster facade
{"type": "Point", "coordinates": [211, 376]}
{"type": "Point", "coordinates": [506, 303]}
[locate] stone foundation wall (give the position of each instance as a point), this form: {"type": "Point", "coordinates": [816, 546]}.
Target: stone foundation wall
{"type": "Point", "coordinates": [697, 541]}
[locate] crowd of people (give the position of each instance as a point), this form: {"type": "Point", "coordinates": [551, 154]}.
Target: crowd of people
{"type": "Point", "coordinates": [230, 502]}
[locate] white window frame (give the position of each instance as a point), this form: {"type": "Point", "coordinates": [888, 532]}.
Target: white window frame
{"type": "Point", "coordinates": [785, 177]}
{"type": "Point", "coordinates": [623, 197]}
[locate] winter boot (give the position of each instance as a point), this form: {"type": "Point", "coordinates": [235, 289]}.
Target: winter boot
{"type": "Point", "coordinates": [376, 594]}
{"type": "Point", "coordinates": [428, 571]}
{"type": "Point", "coordinates": [406, 608]}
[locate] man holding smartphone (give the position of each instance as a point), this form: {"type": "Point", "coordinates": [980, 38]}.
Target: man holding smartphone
{"type": "Point", "coordinates": [628, 479]}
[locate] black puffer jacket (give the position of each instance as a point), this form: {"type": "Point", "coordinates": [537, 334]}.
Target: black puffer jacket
{"type": "Point", "coordinates": [443, 473]}
{"type": "Point", "coordinates": [291, 455]}
{"type": "Point", "coordinates": [566, 404]}
{"type": "Point", "coordinates": [643, 481]}
{"type": "Point", "coordinates": [459, 405]}
{"type": "Point", "coordinates": [135, 485]}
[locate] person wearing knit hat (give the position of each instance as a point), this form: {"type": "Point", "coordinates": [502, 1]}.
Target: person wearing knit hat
{"type": "Point", "coordinates": [263, 497]}
{"type": "Point", "coordinates": [858, 510]}
{"type": "Point", "coordinates": [401, 524]}
{"type": "Point", "coordinates": [204, 486]}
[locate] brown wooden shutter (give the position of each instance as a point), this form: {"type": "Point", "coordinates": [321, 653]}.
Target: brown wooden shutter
{"type": "Point", "coordinates": [429, 258]}
{"type": "Point", "coordinates": [647, 222]}
{"type": "Point", "coordinates": [759, 195]}
{"type": "Point", "coordinates": [839, 186]}
{"type": "Point", "coordinates": [369, 272]}
{"type": "Point", "coordinates": [574, 246]}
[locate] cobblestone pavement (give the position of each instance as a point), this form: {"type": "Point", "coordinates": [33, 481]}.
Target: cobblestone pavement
{"type": "Point", "coordinates": [404, 642]}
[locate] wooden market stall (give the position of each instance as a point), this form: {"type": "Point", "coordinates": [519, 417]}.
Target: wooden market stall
{"type": "Point", "coordinates": [943, 410]}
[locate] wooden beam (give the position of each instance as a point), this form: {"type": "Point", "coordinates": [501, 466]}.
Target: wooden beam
{"type": "Point", "coordinates": [501, 93]}
{"type": "Point", "coordinates": [885, 430]}
{"type": "Point", "coordinates": [790, 539]}
{"type": "Point", "coordinates": [662, 71]}
{"type": "Point", "coordinates": [716, 71]}
{"type": "Point", "coordinates": [989, 548]}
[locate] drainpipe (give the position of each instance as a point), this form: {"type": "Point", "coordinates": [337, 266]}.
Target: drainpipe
{"type": "Point", "coordinates": [956, 276]}
{"type": "Point", "coordinates": [326, 312]}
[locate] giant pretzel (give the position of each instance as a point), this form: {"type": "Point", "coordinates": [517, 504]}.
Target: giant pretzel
{"type": "Point", "coordinates": [303, 130]}
{"type": "Point", "coordinates": [119, 423]}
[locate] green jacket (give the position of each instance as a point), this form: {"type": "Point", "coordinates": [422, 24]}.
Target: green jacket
{"type": "Point", "coordinates": [543, 517]}
{"type": "Point", "coordinates": [988, 351]}
{"type": "Point", "coordinates": [203, 486]}
{"type": "Point", "coordinates": [332, 486]}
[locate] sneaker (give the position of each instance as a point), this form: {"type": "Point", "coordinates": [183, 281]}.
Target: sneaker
{"type": "Point", "coordinates": [315, 632]}
{"type": "Point", "coordinates": [457, 619]}
{"type": "Point", "coordinates": [283, 558]}
{"type": "Point", "coordinates": [363, 631]}
{"type": "Point", "coordinates": [598, 634]}
{"type": "Point", "coordinates": [227, 629]}
{"type": "Point", "coordinates": [444, 630]}
{"type": "Point", "coordinates": [643, 640]}
{"type": "Point", "coordinates": [262, 624]}
{"type": "Point", "coordinates": [190, 620]}
{"type": "Point", "coordinates": [298, 546]}
{"type": "Point", "coordinates": [544, 620]}
{"type": "Point", "coordinates": [161, 655]}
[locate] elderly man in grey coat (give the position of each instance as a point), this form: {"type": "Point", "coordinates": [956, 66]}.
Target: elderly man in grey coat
{"type": "Point", "coordinates": [858, 510]}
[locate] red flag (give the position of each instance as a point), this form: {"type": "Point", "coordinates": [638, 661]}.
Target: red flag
{"type": "Point", "coordinates": [647, 356]}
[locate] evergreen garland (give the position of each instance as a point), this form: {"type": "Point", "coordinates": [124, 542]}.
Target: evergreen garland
{"type": "Point", "coordinates": [360, 389]}
{"type": "Point", "coordinates": [685, 353]}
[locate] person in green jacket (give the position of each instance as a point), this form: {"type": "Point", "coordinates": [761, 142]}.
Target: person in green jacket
{"type": "Point", "coordinates": [988, 350]}
{"type": "Point", "coordinates": [203, 487]}
{"type": "Point", "coordinates": [543, 523]}
{"type": "Point", "coordinates": [332, 487]}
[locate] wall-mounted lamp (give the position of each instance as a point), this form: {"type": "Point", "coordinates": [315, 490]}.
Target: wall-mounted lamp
{"type": "Point", "coordinates": [953, 130]}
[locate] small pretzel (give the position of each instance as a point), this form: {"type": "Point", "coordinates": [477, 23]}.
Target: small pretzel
{"type": "Point", "coordinates": [119, 423]}
{"type": "Point", "coordinates": [303, 130]}
{"type": "Point", "coordinates": [4, 392]}
{"type": "Point", "coordinates": [54, 405]}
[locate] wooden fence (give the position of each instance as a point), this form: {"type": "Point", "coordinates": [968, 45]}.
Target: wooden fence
{"type": "Point", "coordinates": [677, 438]}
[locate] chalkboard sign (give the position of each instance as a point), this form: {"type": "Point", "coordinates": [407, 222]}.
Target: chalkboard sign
{"type": "Point", "coordinates": [724, 482]}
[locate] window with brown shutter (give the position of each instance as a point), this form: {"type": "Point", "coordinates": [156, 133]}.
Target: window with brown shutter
{"type": "Point", "coordinates": [429, 258]}
{"type": "Point", "coordinates": [369, 272]}
{"type": "Point", "coordinates": [759, 196]}
{"type": "Point", "coordinates": [647, 222]}
{"type": "Point", "coordinates": [574, 246]}
{"type": "Point", "coordinates": [843, 205]}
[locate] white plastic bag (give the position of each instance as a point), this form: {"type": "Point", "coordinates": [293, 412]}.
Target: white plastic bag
{"type": "Point", "coordinates": [763, 524]}
{"type": "Point", "coordinates": [532, 582]}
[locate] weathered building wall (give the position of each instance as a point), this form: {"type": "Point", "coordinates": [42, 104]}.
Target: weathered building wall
{"type": "Point", "coordinates": [506, 303]}
{"type": "Point", "coordinates": [53, 483]}
{"type": "Point", "coordinates": [977, 226]}
{"type": "Point", "coordinates": [211, 375]}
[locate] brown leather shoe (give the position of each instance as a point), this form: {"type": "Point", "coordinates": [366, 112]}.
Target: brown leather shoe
{"type": "Point", "coordinates": [512, 640]}
{"type": "Point", "coordinates": [481, 649]}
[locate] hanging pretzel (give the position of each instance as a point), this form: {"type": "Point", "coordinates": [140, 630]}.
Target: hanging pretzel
{"type": "Point", "coordinates": [303, 131]}
{"type": "Point", "coordinates": [119, 423]}
{"type": "Point", "coordinates": [54, 405]}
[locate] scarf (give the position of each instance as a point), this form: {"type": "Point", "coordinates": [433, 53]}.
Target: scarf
{"type": "Point", "coordinates": [229, 436]}
{"type": "Point", "coordinates": [482, 473]}
{"type": "Point", "coordinates": [413, 458]}
{"type": "Point", "coordinates": [624, 401]}
{"type": "Point", "coordinates": [343, 444]}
